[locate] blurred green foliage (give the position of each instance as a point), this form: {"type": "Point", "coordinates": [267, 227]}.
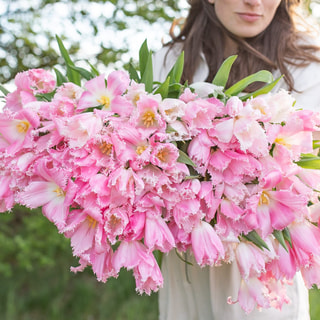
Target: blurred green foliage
{"type": "Point", "coordinates": [28, 28]}
{"type": "Point", "coordinates": [36, 282]}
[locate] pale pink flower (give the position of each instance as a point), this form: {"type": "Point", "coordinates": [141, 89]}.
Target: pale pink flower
{"type": "Point", "coordinates": [100, 94]}
{"type": "Point", "coordinates": [231, 210]}
{"type": "Point", "coordinates": [282, 206]}
{"type": "Point", "coordinates": [188, 96]}
{"type": "Point", "coordinates": [250, 260]}
{"type": "Point", "coordinates": [305, 237]}
{"type": "Point", "coordinates": [252, 293]}
{"type": "Point", "coordinates": [17, 99]}
{"type": "Point", "coordinates": [206, 245]}
{"type": "Point", "coordinates": [148, 276]}
{"type": "Point", "coordinates": [129, 255]}
{"type": "Point", "coordinates": [116, 220]}
{"type": "Point", "coordinates": [199, 114]}
{"type": "Point", "coordinates": [79, 129]}
{"type": "Point", "coordinates": [187, 214]}
{"type": "Point", "coordinates": [234, 106]}
{"type": "Point", "coordinates": [178, 131]}
{"type": "Point", "coordinates": [18, 131]}
{"type": "Point", "coordinates": [40, 81]}
{"type": "Point", "coordinates": [245, 129]}
{"type": "Point", "coordinates": [280, 106]}
{"type": "Point", "coordinates": [125, 184]}
{"type": "Point", "coordinates": [82, 229]}
{"type": "Point", "coordinates": [157, 234]}
{"type": "Point", "coordinates": [294, 139]}
{"type": "Point", "coordinates": [6, 194]}
{"type": "Point", "coordinates": [200, 150]}
{"type": "Point", "coordinates": [171, 109]}
{"type": "Point", "coordinates": [69, 90]}
{"type": "Point", "coordinates": [135, 90]}
{"type": "Point", "coordinates": [182, 238]}
{"type": "Point", "coordinates": [164, 155]}
{"type": "Point", "coordinates": [311, 273]}
{"type": "Point", "coordinates": [146, 116]}
{"type": "Point", "coordinates": [52, 191]}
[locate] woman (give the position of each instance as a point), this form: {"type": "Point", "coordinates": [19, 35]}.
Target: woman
{"type": "Point", "coordinates": [264, 36]}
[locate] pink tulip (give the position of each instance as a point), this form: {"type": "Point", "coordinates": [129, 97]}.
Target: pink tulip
{"type": "Point", "coordinates": [206, 245]}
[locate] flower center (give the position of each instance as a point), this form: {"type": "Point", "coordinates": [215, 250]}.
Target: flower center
{"type": "Point", "coordinates": [136, 99]}
{"type": "Point", "coordinates": [264, 199]}
{"type": "Point", "coordinates": [148, 118]}
{"type": "Point", "coordinates": [114, 221]}
{"type": "Point", "coordinates": [168, 111]}
{"type": "Point", "coordinates": [23, 126]}
{"type": "Point", "coordinates": [162, 155]}
{"type": "Point", "coordinates": [91, 222]}
{"type": "Point", "coordinates": [105, 148]}
{"type": "Point", "coordinates": [140, 149]}
{"type": "Point", "coordinates": [282, 141]}
{"type": "Point", "coordinates": [59, 192]}
{"type": "Point", "coordinates": [104, 101]}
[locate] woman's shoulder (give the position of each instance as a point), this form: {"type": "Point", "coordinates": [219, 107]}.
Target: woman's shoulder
{"type": "Point", "coordinates": [307, 85]}
{"type": "Point", "coordinates": [164, 59]}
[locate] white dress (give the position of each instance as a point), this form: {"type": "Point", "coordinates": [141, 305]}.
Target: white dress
{"type": "Point", "coordinates": [194, 293]}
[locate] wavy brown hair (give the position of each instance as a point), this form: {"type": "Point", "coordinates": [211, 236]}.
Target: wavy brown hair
{"type": "Point", "coordinates": [276, 47]}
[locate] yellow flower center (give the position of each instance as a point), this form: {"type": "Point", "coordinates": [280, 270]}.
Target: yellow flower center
{"type": "Point", "coordinates": [168, 112]}
{"type": "Point", "coordinates": [136, 99]}
{"type": "Point", "coordinates": [140, 149]}
{"type": "Point", "coordinates": [148, 118]}
{"type": "Point", "coordinates": [105, 148]}
{"type": "Point", "coordinates": [104, 101]}
{"type": "Point", "coordinates": [162, 155]}
{"type": "Point", "coordinates": [114, 221]}
{"type": "Point", "coordinates": [23, 126]}
{"type": "Point", "coordinates": [59, 192]}
{"type": "Point", "coordinates": [91, 222]}
{"type": "Point", "coordinates": [264, 199]}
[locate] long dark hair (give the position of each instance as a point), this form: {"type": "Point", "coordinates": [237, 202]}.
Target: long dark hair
{"type": "Point", "coordinates": [276, 47]}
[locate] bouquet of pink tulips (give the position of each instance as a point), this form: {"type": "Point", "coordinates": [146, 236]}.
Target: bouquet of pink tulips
{"type": "Point", "coordinates": [125, 167]}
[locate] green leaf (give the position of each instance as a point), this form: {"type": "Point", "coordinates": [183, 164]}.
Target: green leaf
{"type": "Point", "coordinates": [316, 144]}
{"type": "Point", "coordinates": [45, 96]}
{"type": "Point", "coordinates": [83, 72]}
{"type": "Point", "coordinates": [164, 89]}
{"type": "Point", "coordinates": [143, 57]}
{"type": "Point", "coordinates": [309, 163]}
{"type": "Point", "coordinates": [133, 73]}
{"type": "Point", "coordinates": [264, 90]}
{"type": "Point", "coordinates": [60, 77]}
{"type": "Point", "coordinates": [184, 259]}
{"type": "Point", "coordinates": [287, 236]}
{"type": "Point", "coordinates": [93, 69]}
{"type": "Point", "coordinates": [253, 237]}
{"type": "Point", "coordinates": [176, 71]}
{"type": "Point", "coordinates": [158, 256]}
{"type": "Point", "coordinates": [72, 75]}
{"type": "Point", "coordinates": [280, 237]}
{"type": "Point", "coordinates": [222, 76]}
{"type": "Point", "coordinates": [192, 177]}
{"type": "Point", "coordinates": [147, 75]}
{"type": "Point", "coordinates": [184, 158]}
{"type": "Point", "coordinates": [4, 90]}
{"type": "Point", "coordinates": [261, 76]}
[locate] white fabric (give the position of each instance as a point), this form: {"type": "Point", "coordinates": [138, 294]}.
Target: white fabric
{"type": "Point", "coordinates": [194, 293]}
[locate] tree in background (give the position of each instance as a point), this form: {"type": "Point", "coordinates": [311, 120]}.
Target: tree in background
{"type": "Point", "coordinates": [100, 31]}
